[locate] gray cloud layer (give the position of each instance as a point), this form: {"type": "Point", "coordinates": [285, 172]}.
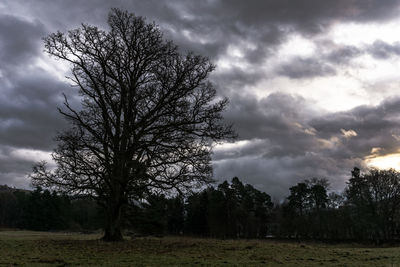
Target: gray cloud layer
{"type": "Point", "coordinates": [289, 138]}
{"type": "Point", "coordinates": [289, 141]}
{"type": "Point", "coordinates": [323, 63]}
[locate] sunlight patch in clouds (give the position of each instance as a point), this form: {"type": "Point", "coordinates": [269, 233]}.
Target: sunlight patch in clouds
{"type": "Point", "coordinates": [58, 69]}
{"type": "Point", "coordinates": [234, 52]}
{"type": "Point", "coordinates": [31, 155]}
{"type": "Point", "coordinates": [328, 93]}
{"type": "Point", "coordinates": [348, 133]}
{"type": "Point", "coordinates": [190, 35]}
{"type": "Point", "coordinates": [296, 46]}
{"type": "Point", "coordinates": [233, 58]}
{"type": "Point", "coordinates": [231, 146]}
{"type": "Point", "coordinates": [384, 162]}
{"type": "Point", "coordinates": [366, 33]}
{"type": "Point", "coordinates": [354, 84]}
{"type": "Point", "coordinates": [370, 69]}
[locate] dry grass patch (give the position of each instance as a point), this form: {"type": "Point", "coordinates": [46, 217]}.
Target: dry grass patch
{"type": "Point", "coordinates": [23, 248]}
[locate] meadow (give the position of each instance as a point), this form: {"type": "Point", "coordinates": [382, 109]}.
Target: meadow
{"type": "Point", "coordinates": [27, 248]}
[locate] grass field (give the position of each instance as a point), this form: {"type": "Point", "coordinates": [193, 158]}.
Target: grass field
{"type": "Point", "coordinates": [25, 248]}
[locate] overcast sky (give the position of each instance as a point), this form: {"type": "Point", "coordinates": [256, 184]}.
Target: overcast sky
{"type": "Point", "coordinates": [314, 86]}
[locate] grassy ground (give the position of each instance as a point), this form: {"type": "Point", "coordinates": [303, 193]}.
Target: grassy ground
{"type": "Point", "coordinates": [26, 248]}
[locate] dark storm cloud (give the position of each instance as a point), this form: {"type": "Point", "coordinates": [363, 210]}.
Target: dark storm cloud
{"type": "Point", "coordinates": [281, 147]}
{"type": "Point", "coordinates": [16, 164]}
{"type": "Point", "coordinates": [276, 175]}
{"type": "Point", "coordinates": [210, 27]}
{"type": "Point", "coordinates": [28, 100]}
{"type": "Point", "coordinates": [29, 95]}
{"type": "Point", "coordinates": [19, 40]}
{"type": "Point", "coordinates": [28, 112]}
{"type": "Point", "coordinates": [375, 127]}
{"type": "Point", "coordinates": [300, 68]}
{"type": "Point", "coordinates": [273, 115]}
{"type": "Point", "coordinates": [235, 79]}
{"type": "Point", "coordinates": [321, 63]}
{"type": "Point", "coordinates": [326, 63]}
{"type": "Point", "coordinates": [342, 55]}
{"type": "Point", "coordinates": [278, 124]}
{"type": "Point", "coordinates": [288, 141]}
{"type": "Point", "coordinates": [266, 23]}
{"type": "Point", "coordinates": [382, 50]}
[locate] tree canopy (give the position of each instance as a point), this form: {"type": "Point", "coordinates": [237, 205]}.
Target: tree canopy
{"type": "Point", "coordinates": [147, 121]}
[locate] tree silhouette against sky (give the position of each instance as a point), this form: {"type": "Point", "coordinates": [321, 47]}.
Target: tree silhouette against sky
{"type": "Point", "coordinates": [148, 117]}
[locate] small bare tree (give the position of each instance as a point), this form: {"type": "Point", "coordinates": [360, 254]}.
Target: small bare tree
{"type": "Point", "coordinates": [148, 119]}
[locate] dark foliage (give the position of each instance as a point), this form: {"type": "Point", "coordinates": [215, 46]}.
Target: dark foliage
{"type": "Point", "coordinates": [43, 210]}
{"type": "Point", "coordinates": [147, 121]}
{"type": "Point", "coordinates": [304, 215]}
{"type": "Point", "coordinates": [232, 210]}
{"type": "Point", "coordinates": [368, 210]}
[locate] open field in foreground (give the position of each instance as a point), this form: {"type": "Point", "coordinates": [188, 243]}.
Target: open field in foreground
{"type": "Point", "coordinates": [60, 249]}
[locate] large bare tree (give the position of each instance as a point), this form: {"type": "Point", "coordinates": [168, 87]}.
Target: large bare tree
{"type": "Point", "coordinates": [148, 118]}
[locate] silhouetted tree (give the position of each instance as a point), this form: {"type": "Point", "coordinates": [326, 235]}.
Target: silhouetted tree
{"type": "Point", "coordinates": [236, 210]}
{"type": "Point", "coordinates": [8, 209]}
{"type": "Point", "coordinates": [150, 217]}
{"type": "Point", "coordinates": [43, 210]}
{"type": "Point", "coordinates": [304, 212]}
{"type": "Point", "coordinates": [262, 211]}
{"type": "Point", "coordinates": [147, 121]}
{"type": "Point", "coordinates": [175, 215]}
{"type": "Point", "coordinates": [218, 220]}
{"type": "Point", "coordinates": [196, 213]}
{"type": "Point", "coordinates": [375, 201]}
{"type": "Point", "coordinates": [86, 215]}
{"type": "Point", "coordinates": [299, 198]}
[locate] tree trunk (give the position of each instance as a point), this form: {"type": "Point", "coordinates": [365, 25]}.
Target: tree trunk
{"type": "Point", "coordinates": [113, 224]}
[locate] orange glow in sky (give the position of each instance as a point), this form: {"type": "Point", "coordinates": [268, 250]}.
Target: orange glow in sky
{"type": "Point", "coordinates": [384, 162]}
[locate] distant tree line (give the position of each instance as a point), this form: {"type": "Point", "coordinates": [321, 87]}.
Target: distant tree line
{"type": "Point", "coordinates": [42, 210]}
{"type": "Point", "coordinates": [231, 210]}
{"type": "Point", "coordinates": [367, 210]}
